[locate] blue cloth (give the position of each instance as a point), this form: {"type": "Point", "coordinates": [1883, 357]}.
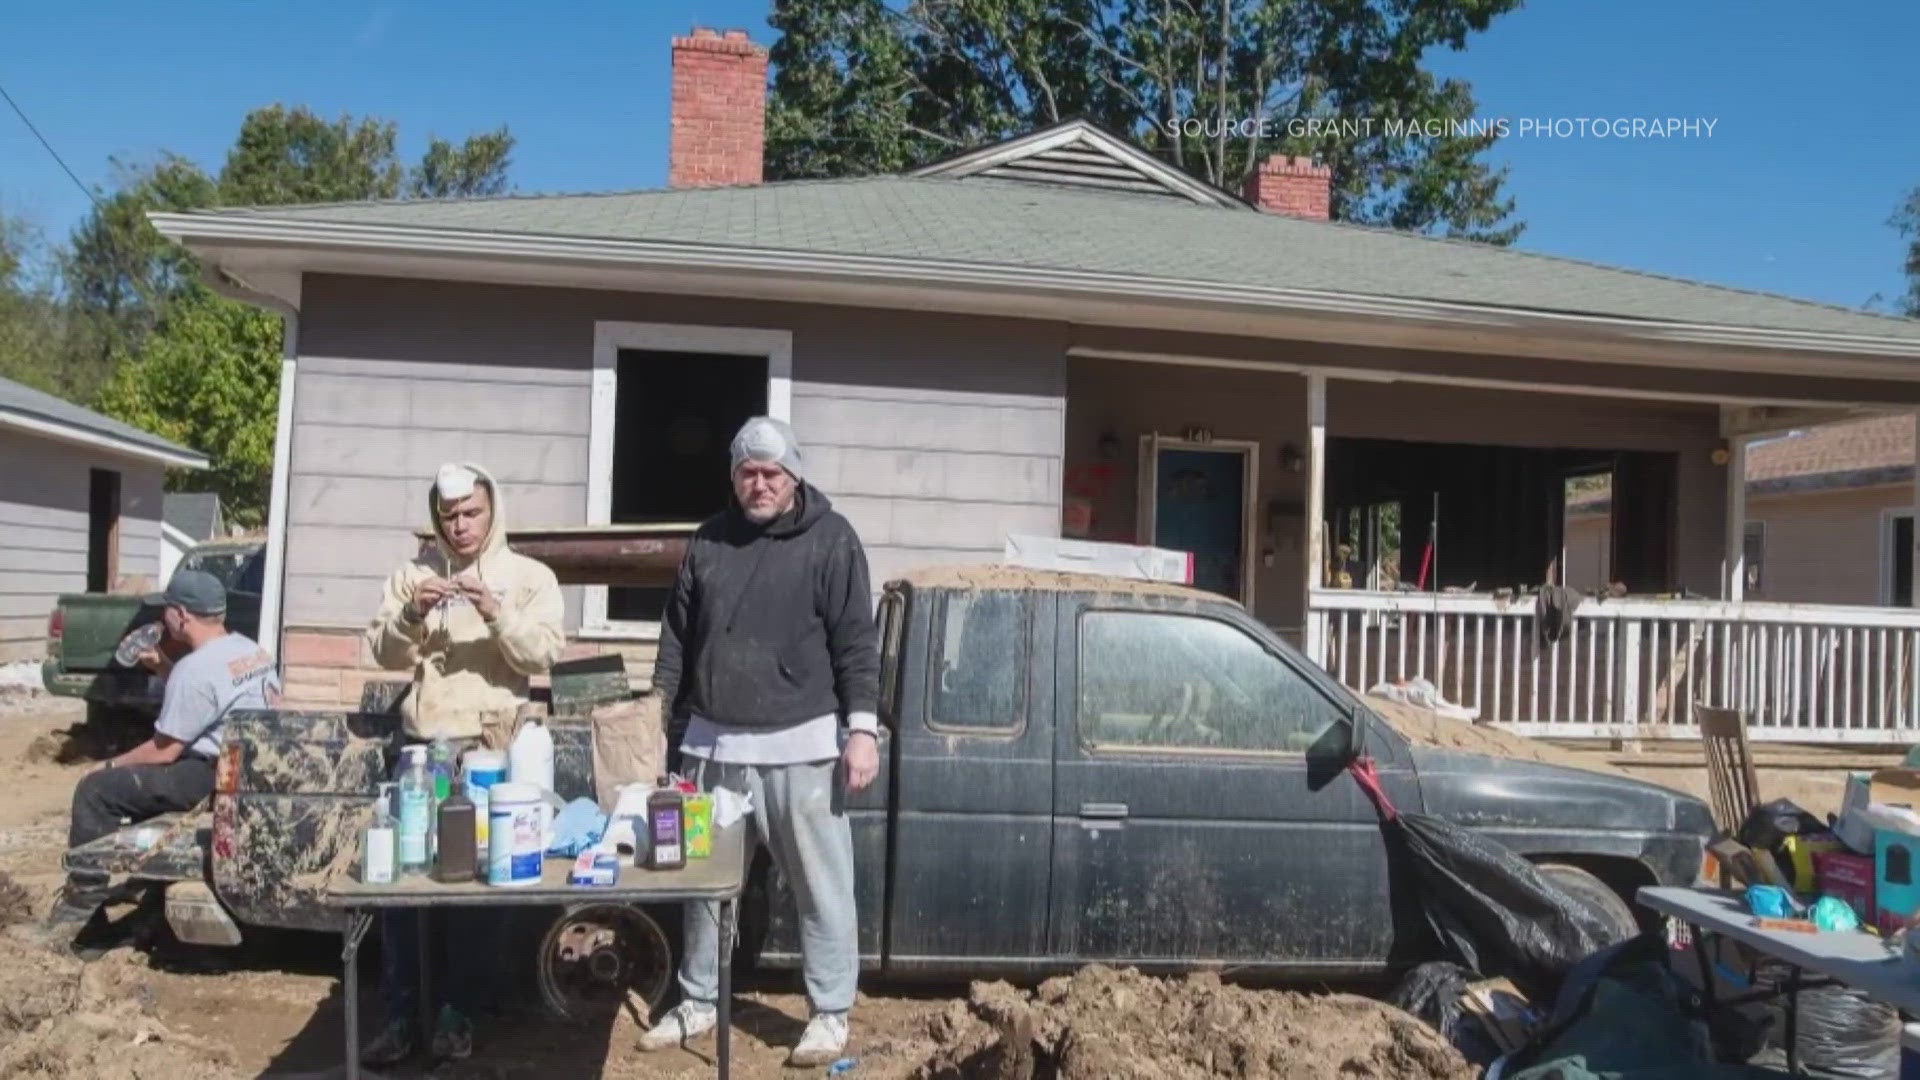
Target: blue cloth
{"type": "Point", "coordinates": [1769, 902]}
{"type": "Point", "coordinates": [578, 827]}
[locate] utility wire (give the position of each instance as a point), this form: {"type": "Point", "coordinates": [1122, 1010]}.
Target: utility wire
{"type": "Point", "coordinates": [17, 111]}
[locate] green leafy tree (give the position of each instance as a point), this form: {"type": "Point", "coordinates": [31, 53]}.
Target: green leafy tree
{"type": "Point", "coordinates": [477, 167]}
{"type": "Point", "coordinates": [1213, 86]}
{"type": "Point", "coordinates": [30, 322]}
{"type": "Point", "coordinates": [1907, 220]}
{"type": "Point", "coordinates": [209, 379]}
{"type": "Point", "coordinates": [184, 363]}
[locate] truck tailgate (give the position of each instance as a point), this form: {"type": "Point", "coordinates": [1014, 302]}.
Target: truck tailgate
{"type": "Point", "coordinates": [94, 625]}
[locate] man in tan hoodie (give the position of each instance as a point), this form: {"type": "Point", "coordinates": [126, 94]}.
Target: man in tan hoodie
{"type": "Point", "coordinates": [472, 620]}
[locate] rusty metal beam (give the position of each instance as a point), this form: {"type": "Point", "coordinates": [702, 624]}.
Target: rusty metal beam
{"type": "Point", "coordinates": [643, 556]}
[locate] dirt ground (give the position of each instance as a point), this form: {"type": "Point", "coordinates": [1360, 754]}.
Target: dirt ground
{"type": "Point", "coordinates": [275, 1008]}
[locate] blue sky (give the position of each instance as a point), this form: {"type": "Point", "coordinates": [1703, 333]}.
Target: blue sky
{"type": "Point", "coordinates": [1811, 149]}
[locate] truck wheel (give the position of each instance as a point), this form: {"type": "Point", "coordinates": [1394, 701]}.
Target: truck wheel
{"type": "Point", "coordinates": [1603, 906]}
{"type": "Point", "coordinates": [595, 954]}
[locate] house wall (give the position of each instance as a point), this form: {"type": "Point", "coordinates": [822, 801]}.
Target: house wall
{"type": "Point", "coordinates": [43, 531]}
{"type": "Point", "coordinates": [1128, 400]}
{"type": "Point", "coordinates": [936, 435]}
{"type": "Point", "coordinates": [1826, 547]}
{"type": "Point", "coordinates": [1588, 543]}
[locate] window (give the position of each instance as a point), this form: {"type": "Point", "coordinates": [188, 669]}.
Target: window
{"type": "Point", "coordinates": [666, 403]}
{"type": "Point", "coordinates": [1150, 679]}
{"type": "Point", "coordinates": [893, 626]}
{"type": "Point", "coordinates": [1753, 554]}
{"type": "Point", "coordinates": [103, 529]}
{"type": "Point", "coordinates": [980, 661]}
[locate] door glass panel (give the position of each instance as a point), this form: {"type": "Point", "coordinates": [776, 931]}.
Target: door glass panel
{"type": "Point", "coordinates": [1200, 508]}
{"type": "Point", "coordinates": [980, 659]}
{"type": "Point", "coordinates": [1149, 679]}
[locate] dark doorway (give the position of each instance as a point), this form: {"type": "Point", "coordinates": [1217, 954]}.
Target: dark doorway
{"type": "Point", "coordinates": [674, 415]}
{"type": "Point", "coordinates": [1902, 591]}
{"type": "Point", "coordinates": [103, 529]}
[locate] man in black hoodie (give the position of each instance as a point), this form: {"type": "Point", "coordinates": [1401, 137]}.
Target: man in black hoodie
{"type": "Point", "coordinates": [768, 652]}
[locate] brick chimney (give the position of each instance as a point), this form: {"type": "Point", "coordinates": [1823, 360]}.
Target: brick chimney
{"type": "Point", "coordinates": [719, 110]}
{"type": "Point", "coordinates": [1293, 186]}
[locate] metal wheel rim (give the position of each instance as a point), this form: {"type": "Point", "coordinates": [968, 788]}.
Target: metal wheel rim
{"type": "Point", "coordinates": [595, 955]}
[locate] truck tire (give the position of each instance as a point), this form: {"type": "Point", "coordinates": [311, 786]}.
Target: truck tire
{"type": "Point", "coordinates": [1601, 903]}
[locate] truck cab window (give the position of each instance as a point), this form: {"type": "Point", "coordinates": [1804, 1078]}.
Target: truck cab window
{"type": "Point", "coordinates": [980, 661]}
{"type": "Point", "coordinates": [1152, 679]}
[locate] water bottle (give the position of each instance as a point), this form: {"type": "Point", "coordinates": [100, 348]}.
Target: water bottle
{"type": "Point", "coordinates": [440, 765]}
{"type": "Point", "coordinates": [416, 810]}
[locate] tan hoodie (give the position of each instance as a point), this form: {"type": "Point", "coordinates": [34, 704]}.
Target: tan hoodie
{"type": "Point", "coordinates": [464, 666]}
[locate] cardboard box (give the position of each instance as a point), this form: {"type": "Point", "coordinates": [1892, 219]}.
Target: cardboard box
{"type": "Point", "coordinates": [1090, 557]}
{"type": "Point", "coordinates": [1896, 863]}
{"type": "Point", "coordinates": [1852, 829]}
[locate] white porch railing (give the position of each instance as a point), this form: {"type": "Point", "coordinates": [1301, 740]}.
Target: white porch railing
{"type": "Point", "coordinates": [1637, 668]}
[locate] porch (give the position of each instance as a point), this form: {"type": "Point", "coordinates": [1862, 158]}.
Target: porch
{"type": "Point", "coordinates": [1398, 524]}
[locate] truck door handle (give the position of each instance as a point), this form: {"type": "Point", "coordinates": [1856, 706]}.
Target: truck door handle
{"type": "Point", "coordinates": [1104, 811]}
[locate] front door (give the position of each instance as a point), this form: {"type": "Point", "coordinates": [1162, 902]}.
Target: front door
{"type": "Point", "coordinates": [1198, 499]}
{"type": "Point", "coordinates": [1202, 814]}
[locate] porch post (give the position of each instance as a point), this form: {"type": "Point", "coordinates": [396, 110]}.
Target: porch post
{"type": "Point", "coordinates": [1913, 591]}
{"type": "Point", "coordinates": [1316, 510]}
{"type": "Point", "coordinates": [1736, 560]}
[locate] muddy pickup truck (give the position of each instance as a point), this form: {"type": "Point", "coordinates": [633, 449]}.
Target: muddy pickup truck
{"type": "Point", "coordinates": [85, 629]}
{"type": "Point", "coordinates": [1073, 769]}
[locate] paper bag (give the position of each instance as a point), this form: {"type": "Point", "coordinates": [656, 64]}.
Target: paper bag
{"type": "Point", "coordinates": [629, 746]}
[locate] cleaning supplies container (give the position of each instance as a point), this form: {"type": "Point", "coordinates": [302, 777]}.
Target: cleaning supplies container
{"type": "Point", "coordinates": [516, 828]}
{"type": "Point", "coordinates": [530, 761]}
{"type": "Point", "coordinates": [481, 769]}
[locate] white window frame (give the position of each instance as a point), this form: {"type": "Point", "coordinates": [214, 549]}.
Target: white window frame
{"type": "Point", "coordinates": [609, 338]}
{"type": "Point", "coordinates": [1887, 517]}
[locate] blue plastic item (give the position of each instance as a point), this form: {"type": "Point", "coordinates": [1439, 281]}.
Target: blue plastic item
{"type": "Point", "coordinates": [578, 828]}
{"type": "Point", "coordinates": [1833, 913]}
{"type": "Point", "coordinates": [1770, 902]}
{"type": "Point", "coordinates": [844, 1065]}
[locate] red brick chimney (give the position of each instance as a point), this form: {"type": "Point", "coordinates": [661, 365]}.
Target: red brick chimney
{"type": "Point", "coordinates": [719, 110]}
{"type": "Point", "coordinates": [1293, 186]}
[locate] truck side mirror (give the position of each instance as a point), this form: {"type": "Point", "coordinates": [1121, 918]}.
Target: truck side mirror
{"type": "Point", "coordinates": [1330, 754]}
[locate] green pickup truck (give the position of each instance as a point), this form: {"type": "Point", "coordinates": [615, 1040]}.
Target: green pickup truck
{"type": "Point", "coordinates": [86, 628]}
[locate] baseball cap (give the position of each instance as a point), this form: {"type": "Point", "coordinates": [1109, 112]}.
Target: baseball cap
{"type": "Point", "coordinates": [197, 591]}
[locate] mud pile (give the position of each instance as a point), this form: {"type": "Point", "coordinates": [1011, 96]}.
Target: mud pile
{"type": "Point", "coordinates": [16, 903]}
{"type": "Point", "coordinates": [1107, 1024]}
{"type": "Point", "coordinates": [60, 1018]}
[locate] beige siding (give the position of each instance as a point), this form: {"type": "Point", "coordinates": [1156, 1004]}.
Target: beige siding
{"type": "Point", "coordinates": [1826, 547]}
{"type": "Point", "coordinates": [936, 435]}
{"type": "Point", "coordinates": [44, 487]}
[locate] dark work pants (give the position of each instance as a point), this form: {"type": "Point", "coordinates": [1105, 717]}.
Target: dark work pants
{"type": "Point", "coordinates": [134, 792]}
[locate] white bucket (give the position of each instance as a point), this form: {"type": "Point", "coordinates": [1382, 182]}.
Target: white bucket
{"type": "Point", "coordinates": [516, 826]}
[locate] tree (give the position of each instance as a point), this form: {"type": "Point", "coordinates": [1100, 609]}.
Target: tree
{"type": "Point", "coordinates": [196, 368]}
{"type": "Point", "coordinates": [1213, 86]}
{"type": "Point", "coordinates": [29, 315]}
{"type": "Point", "coordinates": [1907, 220]}
{"type": "Point", "coordinates": [209, 378]}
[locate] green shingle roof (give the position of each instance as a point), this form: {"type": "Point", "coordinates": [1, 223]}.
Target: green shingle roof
{"type": "Point", "coordinates": [1009, 223]}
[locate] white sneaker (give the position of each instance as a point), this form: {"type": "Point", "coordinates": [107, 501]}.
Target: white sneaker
{"type": "Point", "coordinates": [824, 1041]}
{"type": "Point", "coordinates": [683, 1023]}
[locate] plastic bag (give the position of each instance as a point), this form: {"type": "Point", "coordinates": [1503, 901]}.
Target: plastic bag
{"type": "Point", "coordinates": [1490, 909]}
{"type": "Point", "coordinates": [1767, 826]}
{"type": "Point", "coordinates": [1843, 1034]}
{"type": "Point", "coordinates": [1432, 993]}
{"type": "Point", "coordinates": [578, 827]}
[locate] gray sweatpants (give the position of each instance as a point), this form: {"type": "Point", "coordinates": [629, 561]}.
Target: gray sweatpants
{"type": "Point", "coordinates": [799, 815]}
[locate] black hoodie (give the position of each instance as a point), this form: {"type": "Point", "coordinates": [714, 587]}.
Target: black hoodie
{"type": "Point", "coordinates": [771, 626]}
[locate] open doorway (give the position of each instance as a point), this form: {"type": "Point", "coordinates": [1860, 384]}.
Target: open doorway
{"type": "Point", "coordinates": [1586, 531]}
{"type": "Point", "coordinates": [103, 529]}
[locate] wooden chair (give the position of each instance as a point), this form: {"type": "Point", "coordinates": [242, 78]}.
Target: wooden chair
{"type": "Point", "coordinates": [1732, 785]}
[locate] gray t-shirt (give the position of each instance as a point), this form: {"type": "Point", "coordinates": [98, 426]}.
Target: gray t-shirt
{"type": "Point", "coordinates": [227, 673]}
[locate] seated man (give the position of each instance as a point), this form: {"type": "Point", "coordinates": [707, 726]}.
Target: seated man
{"type": "Point", "coordinates": [222, 671]}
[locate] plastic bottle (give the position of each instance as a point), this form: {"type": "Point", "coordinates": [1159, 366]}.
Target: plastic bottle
{"type": "Point", "coordinates": [666, 828]}
{"type": "Point", "coordinates": [376, 850]}
{"type": "Point", "coordinates": [440, 765]}
{"type": "Point", "coordinates": [453, 824]}
{"type": "Point", "coordinates": [530, 759]}
{"type": "Point", "coordinates": [416, 811]}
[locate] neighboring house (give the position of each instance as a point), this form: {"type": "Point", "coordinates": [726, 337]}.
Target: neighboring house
{"type": "Point", "coordinates": [187, 518]}
{"type": "Point", "coordinates": [1829, 517]}
{"type": "Point", "coordinates": [79, 508]}
{"type": "Point", "coordinates": [1055, 335]}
